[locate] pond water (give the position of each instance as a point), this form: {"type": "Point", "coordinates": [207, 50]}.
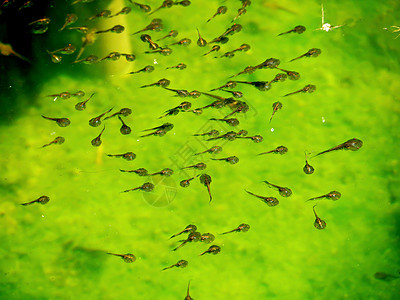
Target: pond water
{"type": "Point", "coordinates": [59, 250]}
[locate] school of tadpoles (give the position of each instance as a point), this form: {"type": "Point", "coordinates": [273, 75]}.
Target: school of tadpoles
{"type": "Point", "coordinates": [234, 104]}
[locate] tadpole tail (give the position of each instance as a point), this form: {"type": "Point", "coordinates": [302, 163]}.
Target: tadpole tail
{"type": "Point", "coordinates": [127, 171]}
{"type": "Point", "coordinates": [319, 153]}
{"type": "Point", "coordinates": [157, 173]}
{"type": "Point", "coordinates": [47, 118]}
{"type": "Point", "coordinates": [296, 58]}
{"type": "Point", "coordinates": [326, 151]}
{"type": "Point", "coordinates": [263, 153]}
{"type": "Point", "coordinates": [179, 246]}
{"type": "Point", "coordinates": [102, 115]}
{"type": "Point", "coordinates": [155, 11]}
{"type": "Point", "coordinates": [154, 128]}
{"type": "Point", "coordinates": [270, 119]}
{"type": "Point", "coordinates": [234, 75]}
{"type": "Point", "coordinates": [22, 57]}
{"type": "Point", "coordinates": [292, 93]}
{"type": "Point", "coordinates": [108, 117]}
{"type": "Point", "coordinates": [250, 193]}
{"type": "Point", "coordinates": [102, 31]}
{"type": "Point", "coordinates": [209, 192]}
{"type": "Point", "coordinates": [130, 190]}
{"type": "Point", "coordinates": [212, 17]}
{"type": "Point", "coordinates": [231, 114]}
{"type": "Point", "coordinates": [138, 31]}
{"type": "Point", "coordinates": [316, 198]}
{"type": "Point", "coordinates": [146, 85]}
{"type": "Point", "coordinates": [270, 184]}
{"type": "Point", "coordinates": [174, 235]}
{"type": "Point", "coordinates": [227, 232]}
{"type": "Point", "coordinates": [284, 33]}
{"type": "Point", "coordinates": [62, 28]}
{"type": "Point", "coordinates": [149, 134]}
{"type": "Point", "coordinates": [46, 145]}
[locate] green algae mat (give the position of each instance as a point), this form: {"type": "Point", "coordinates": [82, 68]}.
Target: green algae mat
{"type": "Point", "coordinates": [59, 250]}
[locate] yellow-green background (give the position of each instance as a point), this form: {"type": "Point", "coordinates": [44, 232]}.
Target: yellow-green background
{"type": "Point", "coordinates": [57, 251]}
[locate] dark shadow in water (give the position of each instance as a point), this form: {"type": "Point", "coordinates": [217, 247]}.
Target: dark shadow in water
{"type": "Point", "coordinates": [21, 81]}
{"type": "Point", "coordinates": [11, 290]}
{"type": "Point", "coordinates": [85, 261]}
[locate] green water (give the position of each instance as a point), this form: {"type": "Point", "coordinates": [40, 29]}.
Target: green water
{"type": "Point", "coordinates": [57, 250]}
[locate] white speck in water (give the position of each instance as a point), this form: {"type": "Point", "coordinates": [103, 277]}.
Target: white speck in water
{"type": "Point", "coordinates": [323, 120]}
{"type": "Point", "coordinates": [272, 129]}
{"type": "Point", "coordinates": [155, 62]}
{"type": "Point", "coordinates": [42, 216]}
